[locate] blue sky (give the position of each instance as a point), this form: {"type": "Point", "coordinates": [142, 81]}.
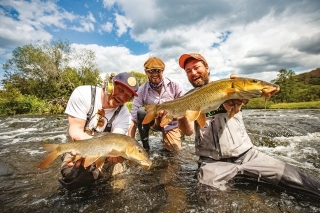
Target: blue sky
{"type": "Point", "coordinates": [248, 37]}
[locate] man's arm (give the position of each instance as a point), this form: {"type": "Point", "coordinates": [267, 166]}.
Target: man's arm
{"type": "Point", "coordinates": [132, 129]}
{"type": "Point", "coordinates": [76, 128]}
{"type": "Point", "coordinates": [186, 126]}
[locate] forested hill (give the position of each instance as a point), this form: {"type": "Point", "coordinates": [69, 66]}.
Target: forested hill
{"type": "Point", "coordinates": [312, 77]}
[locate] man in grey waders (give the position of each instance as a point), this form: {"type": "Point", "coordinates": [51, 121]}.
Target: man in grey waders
{"type": "Point", "coordinates": [225, 149]}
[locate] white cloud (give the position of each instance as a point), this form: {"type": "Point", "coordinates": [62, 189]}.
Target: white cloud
{"type": "Point", "coordinates": [108, 3]}
{"type": "Point", "coordinates": [90, 17]}
{"type": "Point", "coordinates": [250, 38]}
{"type": "Point", "coordinates": [265, 37]}
{"type": "Point", "coordinates": [115, 58]}
{"type": "Point", "coordinates": [15, 33]}
{"type": "Point", "coordinates": [122, 24]}
{"type": "Point", "coordinates": [108, 26]}
{"type": "Point", "coordinates": [86, 24]}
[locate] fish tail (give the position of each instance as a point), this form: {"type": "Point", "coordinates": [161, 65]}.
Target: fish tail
{"type": "Point", "coordinates": [52, 155]}
{"type": "Point", "coordinates": [151, 113]}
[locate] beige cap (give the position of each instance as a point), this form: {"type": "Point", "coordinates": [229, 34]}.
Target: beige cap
{"type": "Point", "coordinates": [154, 63]}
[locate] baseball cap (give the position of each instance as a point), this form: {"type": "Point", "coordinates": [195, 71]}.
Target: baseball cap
{"type": "Point", "coordinates": [128, 81]}
{"type": "Point", "coordinates": [184, 57]}
{"type": "Point", "coordinates": [154, 63]}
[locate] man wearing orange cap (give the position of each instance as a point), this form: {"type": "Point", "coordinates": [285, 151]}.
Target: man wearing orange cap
{"type": "Point", "coordinates": [224, 146]}
{"type": "Point", "coordinates": [156, 90]}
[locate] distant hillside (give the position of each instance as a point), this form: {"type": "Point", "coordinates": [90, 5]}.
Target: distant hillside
{"type": "Point", "coordinates": [312, 77]}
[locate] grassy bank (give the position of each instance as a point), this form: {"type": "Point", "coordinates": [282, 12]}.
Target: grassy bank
{"type": "Point", "coordinates": [260, 103]}
{"type": "Point", "coordinates": [299, 105]}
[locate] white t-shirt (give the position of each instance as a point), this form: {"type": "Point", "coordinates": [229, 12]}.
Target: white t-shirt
{"type": "Point", "coordinates": [79, 104]}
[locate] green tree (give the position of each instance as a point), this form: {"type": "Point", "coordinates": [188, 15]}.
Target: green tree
{"type": "Point", "coordinates": [50, 71]}
{"type": "Point", "coordinates": [141, 77]}
{"type": "Point", "coordinates": [288, 86]}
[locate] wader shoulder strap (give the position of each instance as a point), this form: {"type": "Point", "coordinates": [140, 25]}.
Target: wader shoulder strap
{"type": "Point", "coordinates": [109, 124]}
{"type": "Point", "coordinates": [93, 96]}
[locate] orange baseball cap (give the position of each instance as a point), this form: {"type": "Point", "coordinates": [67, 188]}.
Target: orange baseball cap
{"type": "Point", "coordinates": [184, 57]}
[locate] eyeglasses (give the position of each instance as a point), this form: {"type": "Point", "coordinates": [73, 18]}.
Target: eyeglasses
{"type": "Point", "coordinates": [154, 71]}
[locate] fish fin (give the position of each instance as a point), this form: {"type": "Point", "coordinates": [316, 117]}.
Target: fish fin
{"type": "Point", "coordinates": [229, 91]}
{"type": "Point", "coordinates": [151, 113]}
{"type": "Point", "coordinates": [77, 157]}
{"type": "Point", "coordinates": [131, 163]}
{"type": "Point", "coordinates": [114, 153]}
{"type": "Point", "coordinates": [90, 159]}
{"type": "Point", "coordinates": [49, 158]}
{"type": "Point", "coordinates": [192, 115]}
{"type": "Point", "coordinates": [50, 147]}
{"type": "Point", "coordinates": [202, 119]}
{"type": "Point", "coordinates": [100, 161]}
{"type": "Point", "coordinates": [165, 120]}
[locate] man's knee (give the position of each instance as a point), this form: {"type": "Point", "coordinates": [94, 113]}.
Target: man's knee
{"type": "Point", "coordinates": [141, 113]}
{"type": "Point", "coordinates": [172, 140]}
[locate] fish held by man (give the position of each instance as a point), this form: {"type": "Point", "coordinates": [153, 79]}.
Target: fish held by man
{"type": "Point", "coordinates": [196, 103]}
{"type": "Point", "coordinates": [97, 149]}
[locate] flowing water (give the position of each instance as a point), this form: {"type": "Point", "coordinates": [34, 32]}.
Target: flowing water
{"type": "Point", "coordinates": [169, 186]}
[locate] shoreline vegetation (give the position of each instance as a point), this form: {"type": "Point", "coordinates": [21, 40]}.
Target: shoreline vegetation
{"type": "Point", "coordinates": [40, 78]}
{"type": "Point", "coordinates": [258, 103]}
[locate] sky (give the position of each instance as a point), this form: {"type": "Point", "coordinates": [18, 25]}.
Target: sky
{"type": "Point", "coordinates": [248, 37]}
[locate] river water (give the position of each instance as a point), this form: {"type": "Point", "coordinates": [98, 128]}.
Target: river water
{"type": "Point", "coordinates": [169, 186]}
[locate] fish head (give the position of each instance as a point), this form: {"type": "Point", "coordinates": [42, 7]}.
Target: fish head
{"type": "Point", "coordinates": [254, 88]}
{"type": "Point", "coordinates": [138, 154]}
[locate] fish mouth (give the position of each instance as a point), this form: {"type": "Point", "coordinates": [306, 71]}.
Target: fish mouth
{"type": "Point", "coordinates": [146, 163]}
{"type": "Point", "coordinates": [268, 92]}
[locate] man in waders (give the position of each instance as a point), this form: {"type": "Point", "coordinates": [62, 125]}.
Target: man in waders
{"type": "Point", "coordinates": [225, 149]}
{"type": "Point", "coordinates": [156, 90]}
{"type": "Point", "coordinates": [92, 110]}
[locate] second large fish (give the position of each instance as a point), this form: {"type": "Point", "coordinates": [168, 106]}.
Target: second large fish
{"type": "Point", "coordinates": [195, 104]}
{"type": "Point", "coordinates": [97, 149]}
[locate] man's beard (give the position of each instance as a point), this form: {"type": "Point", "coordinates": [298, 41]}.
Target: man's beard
{"type": "Point", "coordinates": [204, 81]}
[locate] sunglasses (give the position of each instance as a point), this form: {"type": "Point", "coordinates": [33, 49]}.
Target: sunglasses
{"type": "Point", "coordinates": [154, 71]}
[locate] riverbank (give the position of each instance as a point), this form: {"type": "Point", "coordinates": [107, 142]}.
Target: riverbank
{"type": "Point", "coordinates": [298, 105]}
{"type": "Point", "coordinates": [257, 103]}
{"type": "Point", "coordinates": [260, 103]}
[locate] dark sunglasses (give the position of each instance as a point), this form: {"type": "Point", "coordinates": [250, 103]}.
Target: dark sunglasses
{"type": "Point", "coordinates": [154, 71]}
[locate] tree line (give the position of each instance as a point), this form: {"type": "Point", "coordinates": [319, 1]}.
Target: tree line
{"type": "Point", "coordinates": [39, 78]}
{"type": "Point", "coordinates": [293, 88]}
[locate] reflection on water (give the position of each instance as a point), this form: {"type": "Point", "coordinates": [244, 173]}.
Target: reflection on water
{"type": "Point", "coordinates": [169, 186]}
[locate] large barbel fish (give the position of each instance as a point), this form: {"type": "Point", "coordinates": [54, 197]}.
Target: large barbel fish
{"type": "Point", "coordinates": [195, 104]}
{"type": "Point", "coordinates": [97, 149]}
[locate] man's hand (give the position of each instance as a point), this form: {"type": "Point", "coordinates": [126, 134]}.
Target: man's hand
{"type": "Point", "coordinates": [79, 162]}
{"type": "Point", "coordinates": [161, 114]}
{"type": "Point", "coordinates": [72, 163]}
{"type": "Point", "coordinates": [234, 104]}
